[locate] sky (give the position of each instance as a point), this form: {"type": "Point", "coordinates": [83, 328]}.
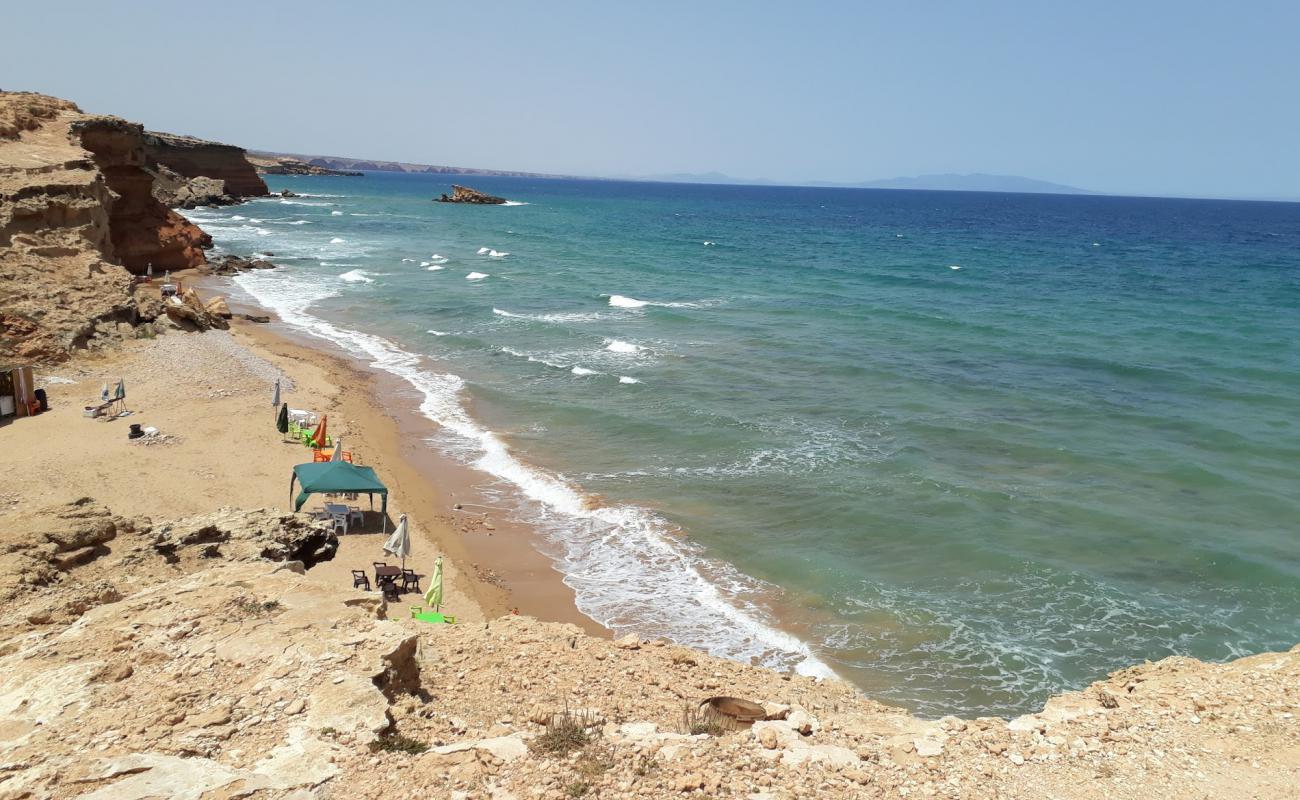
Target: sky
{"type": "Point", "coordinates": [1156, 97]}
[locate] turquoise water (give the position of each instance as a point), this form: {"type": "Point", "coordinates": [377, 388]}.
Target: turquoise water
{"type": "Point", "coordinates": [965, 450]}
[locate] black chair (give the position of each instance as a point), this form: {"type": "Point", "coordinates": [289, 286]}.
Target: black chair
{"type": "Point", "coordinates": [359, 578]}
{"type": "Point", "coordinates": [389, 588]}
{"type": "Point", "coordinates": [410, 581]}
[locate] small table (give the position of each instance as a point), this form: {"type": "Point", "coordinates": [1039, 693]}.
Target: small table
{"type": "Point", "coordinates": [387, 575]}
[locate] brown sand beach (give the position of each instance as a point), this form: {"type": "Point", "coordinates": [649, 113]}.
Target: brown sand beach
{"type": "Point", "coordinates": [168, 628]}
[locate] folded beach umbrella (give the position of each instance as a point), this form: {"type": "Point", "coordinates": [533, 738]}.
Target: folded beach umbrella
{"type": "Point", "coordinates": [434, 596]}
{"type": "Point", "coordinates": [319, 435]}
{"type": "Point", "coordinates": [399, 544]}
{"type": "Point", "coordinates": [282, 421]}
{"type": "Point", "coordinates": [275, 398]}
{"type": "Point", "coordinates": [119, 392]}
{"type": "Point", "coordinates": [338, 450]}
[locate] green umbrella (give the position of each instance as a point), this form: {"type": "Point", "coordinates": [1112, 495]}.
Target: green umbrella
{"type": "Point", "coordinates": [434, 596]}
{"type": "Point", "coordinates": [282, 421]}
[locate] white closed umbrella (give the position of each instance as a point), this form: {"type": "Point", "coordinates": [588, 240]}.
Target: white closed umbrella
{"type": "Point", "coordinates": [399, 544]}
{"type": "Point", "coordinates": [275, 399]}
{"type": "Point", "coordinates": [337, 455]}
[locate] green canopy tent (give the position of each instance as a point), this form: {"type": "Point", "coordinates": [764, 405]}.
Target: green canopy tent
{"type": "Point", "coordinates": [331, 477]}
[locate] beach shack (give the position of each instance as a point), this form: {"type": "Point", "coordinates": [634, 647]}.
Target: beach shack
{"type": "Point", "coordinates": [17, 391]}
{"type": "Point", "coordinates": [337, 477]}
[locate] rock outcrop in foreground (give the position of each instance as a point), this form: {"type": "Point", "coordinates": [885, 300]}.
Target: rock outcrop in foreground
{"type": "Point", "coordinates": [464, 194]}
{"type": "Point", "coordinates": [197, 659]}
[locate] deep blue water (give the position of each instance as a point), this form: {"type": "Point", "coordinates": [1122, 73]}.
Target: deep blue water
{"type": "Point", "coordinates": [963, 449]}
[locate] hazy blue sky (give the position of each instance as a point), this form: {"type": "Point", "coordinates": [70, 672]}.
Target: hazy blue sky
{"type": "Point", "coordinates": [1145, 97]}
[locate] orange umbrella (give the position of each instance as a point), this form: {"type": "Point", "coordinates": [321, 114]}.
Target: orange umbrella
{"type": "Point", "coordinates": [319, 436]}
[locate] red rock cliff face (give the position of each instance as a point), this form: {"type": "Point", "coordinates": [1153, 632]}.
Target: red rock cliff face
{"type": "Point", "coordinates": [75, 207]}
{"type": "Point", "coordinates": [193, 158]}
{"type": "Point", "coordinates": [143, 231]}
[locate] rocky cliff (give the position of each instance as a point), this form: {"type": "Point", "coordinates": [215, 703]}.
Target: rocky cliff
{"type": "Point", "coordinates": [198, 658]}
{"type": "Point", "coordinates": [79, 215]}
{"type": "Point", "coordinates": [284, 165]}
{"type": "Point", "coordinates": [198, 158]}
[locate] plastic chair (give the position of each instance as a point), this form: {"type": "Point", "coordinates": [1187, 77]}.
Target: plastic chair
{"type": "Point", "coordinates": [355, 513]}
{"type": "Point", "coordinates": [360, 579]}
{"type": "Point", "coordinates": [340, 521]}
{"type": "Point", "coordinates": [410, 581]}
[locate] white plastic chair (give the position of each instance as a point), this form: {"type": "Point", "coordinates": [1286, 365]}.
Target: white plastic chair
{"type": "Point", "coordinates": [354, 513]}
{"type": "Point", "coordinates": [340, 520]}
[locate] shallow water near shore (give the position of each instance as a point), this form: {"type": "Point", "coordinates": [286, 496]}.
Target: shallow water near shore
{"type": "Point", "coordinates": [965, 450]}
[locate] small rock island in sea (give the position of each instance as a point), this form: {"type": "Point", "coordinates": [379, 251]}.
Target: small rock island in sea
{"type": "Point", "coordinates": [464, 194]}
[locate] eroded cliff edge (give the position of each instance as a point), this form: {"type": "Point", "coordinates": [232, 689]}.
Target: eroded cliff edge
{"type": "Point", "coordinates": [79, 217]}
{"type": "Point", "coordinates": [197, 658]}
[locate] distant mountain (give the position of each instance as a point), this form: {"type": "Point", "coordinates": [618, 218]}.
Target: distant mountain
{"type": "Point", "coordinates": [974, 182]}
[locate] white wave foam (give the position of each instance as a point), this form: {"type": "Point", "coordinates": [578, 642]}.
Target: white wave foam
{"type": "Point", "coordinates": [476, 276]}
{"type": "Point", "coordinates": [437, 333]}
{"type": "Point", "coordinates": [483, 250]}
{"type": "Point", "coordinates": [513, 203]}
{"type": "Point", "coordinates": [437, 259]}
{"type": "Point", "coordinates": [299, 222]}
{"type": "Point", "coordinates": [619, 301]}
{"type": "Point", "coordinates": [412, 260]}
{"type": "Point", "coordinates": [709, 244]}
{"type": "Point", "coordinates": [560, 318]}
{"type": "Point", "coordinates": [495, 254]}
{"type": "Point", "coordinates": [237, 217]}
{"type": "Point", "coordinates": [617, 346]}
{"type": "Point", "coordinates": [336, 213]}
{"type": "Point", "coordinates": [434, 267]}
{"type": "Point", "coordinates": [584, 371]}
{"type": "Point", "coordinates": [356, 276]}
{"type": "Point", "coordinates": [310, 194]}
{"type": "Point", "coordinates": [620, 560]}
{"type": "Point", "coordinates": [255, 220]}
{"type": "Point", "coordinates": [626, 379]}
{"type": "Point", "coordinates": [338, 240]}
{"type": "Point", "coordinates": [303, 203]}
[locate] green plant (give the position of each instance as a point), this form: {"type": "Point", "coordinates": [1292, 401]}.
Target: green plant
{"type": "Point", "coordinates": [697, 720]}
{"type": "Point", "coordinates": [577, 789]}
{"type": "Point", "coordinates": [397, 743]}
{"type": "Point", "coordinates": [565, 732]}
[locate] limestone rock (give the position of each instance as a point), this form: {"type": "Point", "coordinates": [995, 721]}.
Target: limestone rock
{"type": "Point", "coordinates": [217, 307]}
{"type": "Point", "coordinates": [629, 642]}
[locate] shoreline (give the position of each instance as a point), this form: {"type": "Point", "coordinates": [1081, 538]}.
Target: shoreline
{"type": "Point", "coordinates": [528, 578]}
{"type": "Point", "coordinates": [428, 485]}
{"type": "Point", "coordinates": [521, 579]}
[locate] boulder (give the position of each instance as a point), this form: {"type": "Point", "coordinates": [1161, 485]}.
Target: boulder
{"type": "Point", "coordinates": [217, 307]}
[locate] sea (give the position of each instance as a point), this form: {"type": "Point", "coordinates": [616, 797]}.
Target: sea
{"type": "Point", "coordinates": [963, 450]}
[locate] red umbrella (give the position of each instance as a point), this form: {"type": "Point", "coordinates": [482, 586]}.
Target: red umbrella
{"type": "Point", "coordinates": [319, 436]}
